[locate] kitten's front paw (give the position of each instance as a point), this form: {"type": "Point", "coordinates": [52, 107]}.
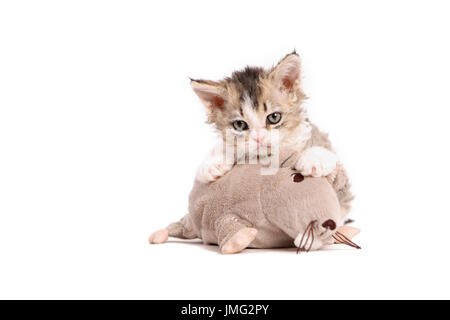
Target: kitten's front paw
{"type": "Point", "coordinates": [316, 162]}
{"type": "Point", "coordinates": [208, 172]}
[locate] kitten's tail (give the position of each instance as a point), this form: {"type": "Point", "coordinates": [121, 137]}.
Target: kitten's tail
{"type": "Point", "coordinates": [181, 229]}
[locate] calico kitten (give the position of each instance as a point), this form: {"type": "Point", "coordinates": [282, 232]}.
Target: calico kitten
{"type": "Point", "coordinates": [263, 109]}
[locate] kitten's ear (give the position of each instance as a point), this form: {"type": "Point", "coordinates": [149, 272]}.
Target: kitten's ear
{"type": "Point", "coordinates": [286, 74]}
{"type": "Point", "coordinates": [211, 93]}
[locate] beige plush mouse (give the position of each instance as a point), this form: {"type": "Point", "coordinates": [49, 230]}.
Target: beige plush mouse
{"type": "Point", "coordinates": [245, 208]}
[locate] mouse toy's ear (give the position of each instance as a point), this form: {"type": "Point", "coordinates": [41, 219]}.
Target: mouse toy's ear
{"type": "Point", "coordinates": [288, 157]}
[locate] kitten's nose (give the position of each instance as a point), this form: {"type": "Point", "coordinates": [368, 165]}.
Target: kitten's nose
{"type": "Point", "coordinates": [329, 224]}
{"type": "Point", "coordinates": [258, 136]}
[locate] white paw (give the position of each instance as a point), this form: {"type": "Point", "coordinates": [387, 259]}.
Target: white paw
{"type": "Point", "coordinates": [316, 162]}
{"type": "Point", "coordinates": [208, 172]}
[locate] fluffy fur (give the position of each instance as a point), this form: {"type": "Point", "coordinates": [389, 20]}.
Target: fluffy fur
{"type": "Point", "coordinates": [254, 93]}
{"type": "Point", "coordinates": [245, 208]}
{"type": "Point", "coordinates": [251, 95]}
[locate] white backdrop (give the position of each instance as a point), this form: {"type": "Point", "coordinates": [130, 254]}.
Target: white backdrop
{"type": "Point", "coordinates": [100, 136]}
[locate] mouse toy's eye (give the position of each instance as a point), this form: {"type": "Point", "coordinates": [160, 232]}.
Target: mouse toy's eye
{"type": "Point", "coordinates": [274, 118]}
{"type": "Point", "coordinates": [297, 177]}
{"type": "Point", "coordinates": [240, 125]}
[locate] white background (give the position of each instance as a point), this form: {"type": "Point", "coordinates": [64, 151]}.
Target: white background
{"type": "Point", "coordinates": [100, 137]}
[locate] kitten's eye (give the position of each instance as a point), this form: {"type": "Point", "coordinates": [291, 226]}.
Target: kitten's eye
{"type": "Point", "coordinates": [274, 118]}
{"type": "Point", "coordinates": [240, 125]}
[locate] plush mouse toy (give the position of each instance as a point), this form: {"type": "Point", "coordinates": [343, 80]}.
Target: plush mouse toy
{"type": "Point", "coordinates": [245, 208]}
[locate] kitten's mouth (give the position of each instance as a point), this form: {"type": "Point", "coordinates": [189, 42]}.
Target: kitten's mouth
{"type": "Point", "coordinates": [264, 146]}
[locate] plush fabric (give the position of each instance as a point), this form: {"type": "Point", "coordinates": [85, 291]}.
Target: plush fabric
{"type": "Point", "coordinates": [281, 206]}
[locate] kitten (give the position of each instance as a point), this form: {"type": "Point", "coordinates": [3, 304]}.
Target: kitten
{"type": "Point", "coordinates": [262, 108]}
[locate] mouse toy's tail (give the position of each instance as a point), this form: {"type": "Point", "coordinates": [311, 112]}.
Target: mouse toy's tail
{"type": "Point", "coordinates": [181, 229]}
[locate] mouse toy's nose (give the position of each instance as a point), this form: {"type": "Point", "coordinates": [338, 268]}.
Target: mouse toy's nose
{"type": "Point", "coordinates": [329, 224]}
